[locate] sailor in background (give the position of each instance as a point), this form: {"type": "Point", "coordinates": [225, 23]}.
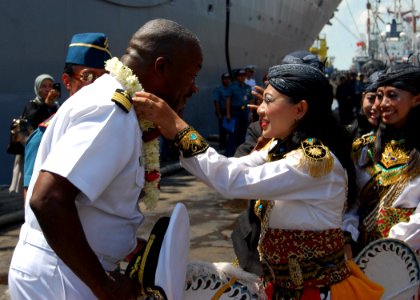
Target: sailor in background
{"type": "Point", "coordinates": [250, 80]}
{"type": "Point", "coordinates": [250, 73]}
{"type": "Point", "coordinates": [237, 111]}
{"type": "Point", "coordinates": [219, 96]}
{"type": "Point", "coordinates": [84, 63]}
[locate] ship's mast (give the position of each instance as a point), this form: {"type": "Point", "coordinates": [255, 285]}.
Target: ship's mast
{"type": "Point", "coordinates": [368, 7]}
{"type": "Point", "coordinates": [372, 28]}
{"type": "Point", "coordinates": [413, 40]}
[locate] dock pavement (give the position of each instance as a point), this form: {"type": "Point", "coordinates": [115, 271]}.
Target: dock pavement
{"type": "Point", "coordinates": [212, 218]}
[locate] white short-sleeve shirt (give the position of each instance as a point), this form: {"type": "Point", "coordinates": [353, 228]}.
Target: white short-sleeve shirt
{"type": "Point", "coordinates": [96, 145]}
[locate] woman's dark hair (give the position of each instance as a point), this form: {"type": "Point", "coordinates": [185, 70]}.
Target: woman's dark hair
{"type": "Point", "coordinates": [303, 82]}
{"type": "Point", "coordinates": [325, 127]}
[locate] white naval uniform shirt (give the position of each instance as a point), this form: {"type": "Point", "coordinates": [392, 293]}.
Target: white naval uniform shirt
{"type": "Point", "coordinates": [302, 202]}
{"type": "Point", "coordinates": [97, 146]}
{"type": "Point", "coordinates": [409, 197]}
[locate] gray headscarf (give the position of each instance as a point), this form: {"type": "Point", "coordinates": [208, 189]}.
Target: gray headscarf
{"type": "Point", "coordinates": [372, 83]}
{"type": "Point", "coordinates": [302, 82]}
{"type": "Point", "coordinates": [38, 82]}
{"type": "Point", "coordinates": [405, 77]}
{"type": "Point", "coordinates": [303, 57]}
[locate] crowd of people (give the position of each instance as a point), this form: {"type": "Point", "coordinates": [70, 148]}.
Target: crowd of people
{"type": "Point", "coordinates": [231, 100]}
{"type": "Point", "coordinates": [320, 188]}
{"type": "Point", "coordinates": [349, 88]}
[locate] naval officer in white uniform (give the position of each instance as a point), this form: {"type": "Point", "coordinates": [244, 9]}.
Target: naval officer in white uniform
{"type": "Point", "coordinates": [83, 198]}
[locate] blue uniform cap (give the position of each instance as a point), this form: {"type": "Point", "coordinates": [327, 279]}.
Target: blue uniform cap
{"type": "Point", "coordinates": [88, 49]}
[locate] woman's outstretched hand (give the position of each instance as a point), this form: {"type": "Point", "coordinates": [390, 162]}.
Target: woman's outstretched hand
{"type": "Point", "coordinates": [150, 107]}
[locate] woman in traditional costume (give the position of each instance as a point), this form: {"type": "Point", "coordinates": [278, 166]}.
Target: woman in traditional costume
{"type": "Point", "coordinates": [388, 165]}
{"type": "Point", "coordinates": [367, 118]}
{"type": "Point", "coordinates": [301, 178]}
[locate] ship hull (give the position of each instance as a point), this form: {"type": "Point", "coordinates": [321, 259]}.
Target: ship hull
{"type": "Point", "coordinates": [35, 36]}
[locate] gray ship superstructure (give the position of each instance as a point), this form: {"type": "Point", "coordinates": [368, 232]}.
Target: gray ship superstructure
{"type": "Point", "coordinates": [392, 35]}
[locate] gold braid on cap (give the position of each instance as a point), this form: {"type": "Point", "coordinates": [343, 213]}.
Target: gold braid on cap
{"type": "Point", "coordinates": [316, 158]}
{"type": "Point", "coordinates": [190, 142]}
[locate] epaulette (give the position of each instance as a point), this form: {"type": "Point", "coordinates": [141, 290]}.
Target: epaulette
{"type": "Point", "coordinates": [44, 124]}
{"type": "Point", "coordinates": [316, 158]}
{"type": "Point", "coordinates": [365, 139]}
{"type": "Point", "coordinates": [122, 99]}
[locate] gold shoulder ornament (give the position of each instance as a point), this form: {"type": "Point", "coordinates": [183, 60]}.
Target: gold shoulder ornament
{"type": "Point", "coordinates": [316, 158]}
{"type": "Point", "coordinates": [362, 141]}
{"type": "Point", "coordinates": [122, 99]}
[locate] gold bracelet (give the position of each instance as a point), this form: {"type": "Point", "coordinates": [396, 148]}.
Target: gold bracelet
{"type": "Point", "coordinates": [190, 142]}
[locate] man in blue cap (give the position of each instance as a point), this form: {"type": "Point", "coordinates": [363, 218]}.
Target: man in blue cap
{"type": "Point", "coordinates": [219, 99]}
{"type": "Point", "coordinates": [237, 111]}
{"type": "Point", "coordinates": [82, 211]}
{"type": "Point", "coordinates": [84, 63]}
{"type": "Point", "coordinates": [85, 59]}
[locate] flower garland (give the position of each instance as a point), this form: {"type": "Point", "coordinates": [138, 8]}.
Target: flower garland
{"type": "Point", "coordinates": [150, 149]}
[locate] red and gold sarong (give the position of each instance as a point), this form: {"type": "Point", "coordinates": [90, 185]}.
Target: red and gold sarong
{"type": "Point", "coordinates": [303, 264]}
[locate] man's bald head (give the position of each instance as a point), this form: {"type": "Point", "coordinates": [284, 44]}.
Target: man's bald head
{"type": "Point", "coordinates": [158, 38]}
{"type": "Point", "coordinates": [166, 57]}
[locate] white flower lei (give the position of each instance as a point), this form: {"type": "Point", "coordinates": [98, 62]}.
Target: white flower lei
{"type": "Point", "coordinates": [150, 150]}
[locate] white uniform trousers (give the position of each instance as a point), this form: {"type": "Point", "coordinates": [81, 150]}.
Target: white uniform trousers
{"type": "Point", "coordinates": [37, 273]}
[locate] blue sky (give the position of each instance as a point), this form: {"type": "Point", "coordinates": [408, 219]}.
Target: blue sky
{"type": "Point", "coordinates": [342, 34]}
{"type": "Point", "coordinates": [348, 24]}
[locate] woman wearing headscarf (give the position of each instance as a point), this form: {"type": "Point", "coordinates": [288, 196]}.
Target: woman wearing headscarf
{"type": "Point", "coordinates": [301, 178]}
{"type": "Point", "coordinates": [44, 104]}
{"type": "Point", "coordinates": [34, 113]}
{"type": "Point", "coordinates": [388, 164]}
